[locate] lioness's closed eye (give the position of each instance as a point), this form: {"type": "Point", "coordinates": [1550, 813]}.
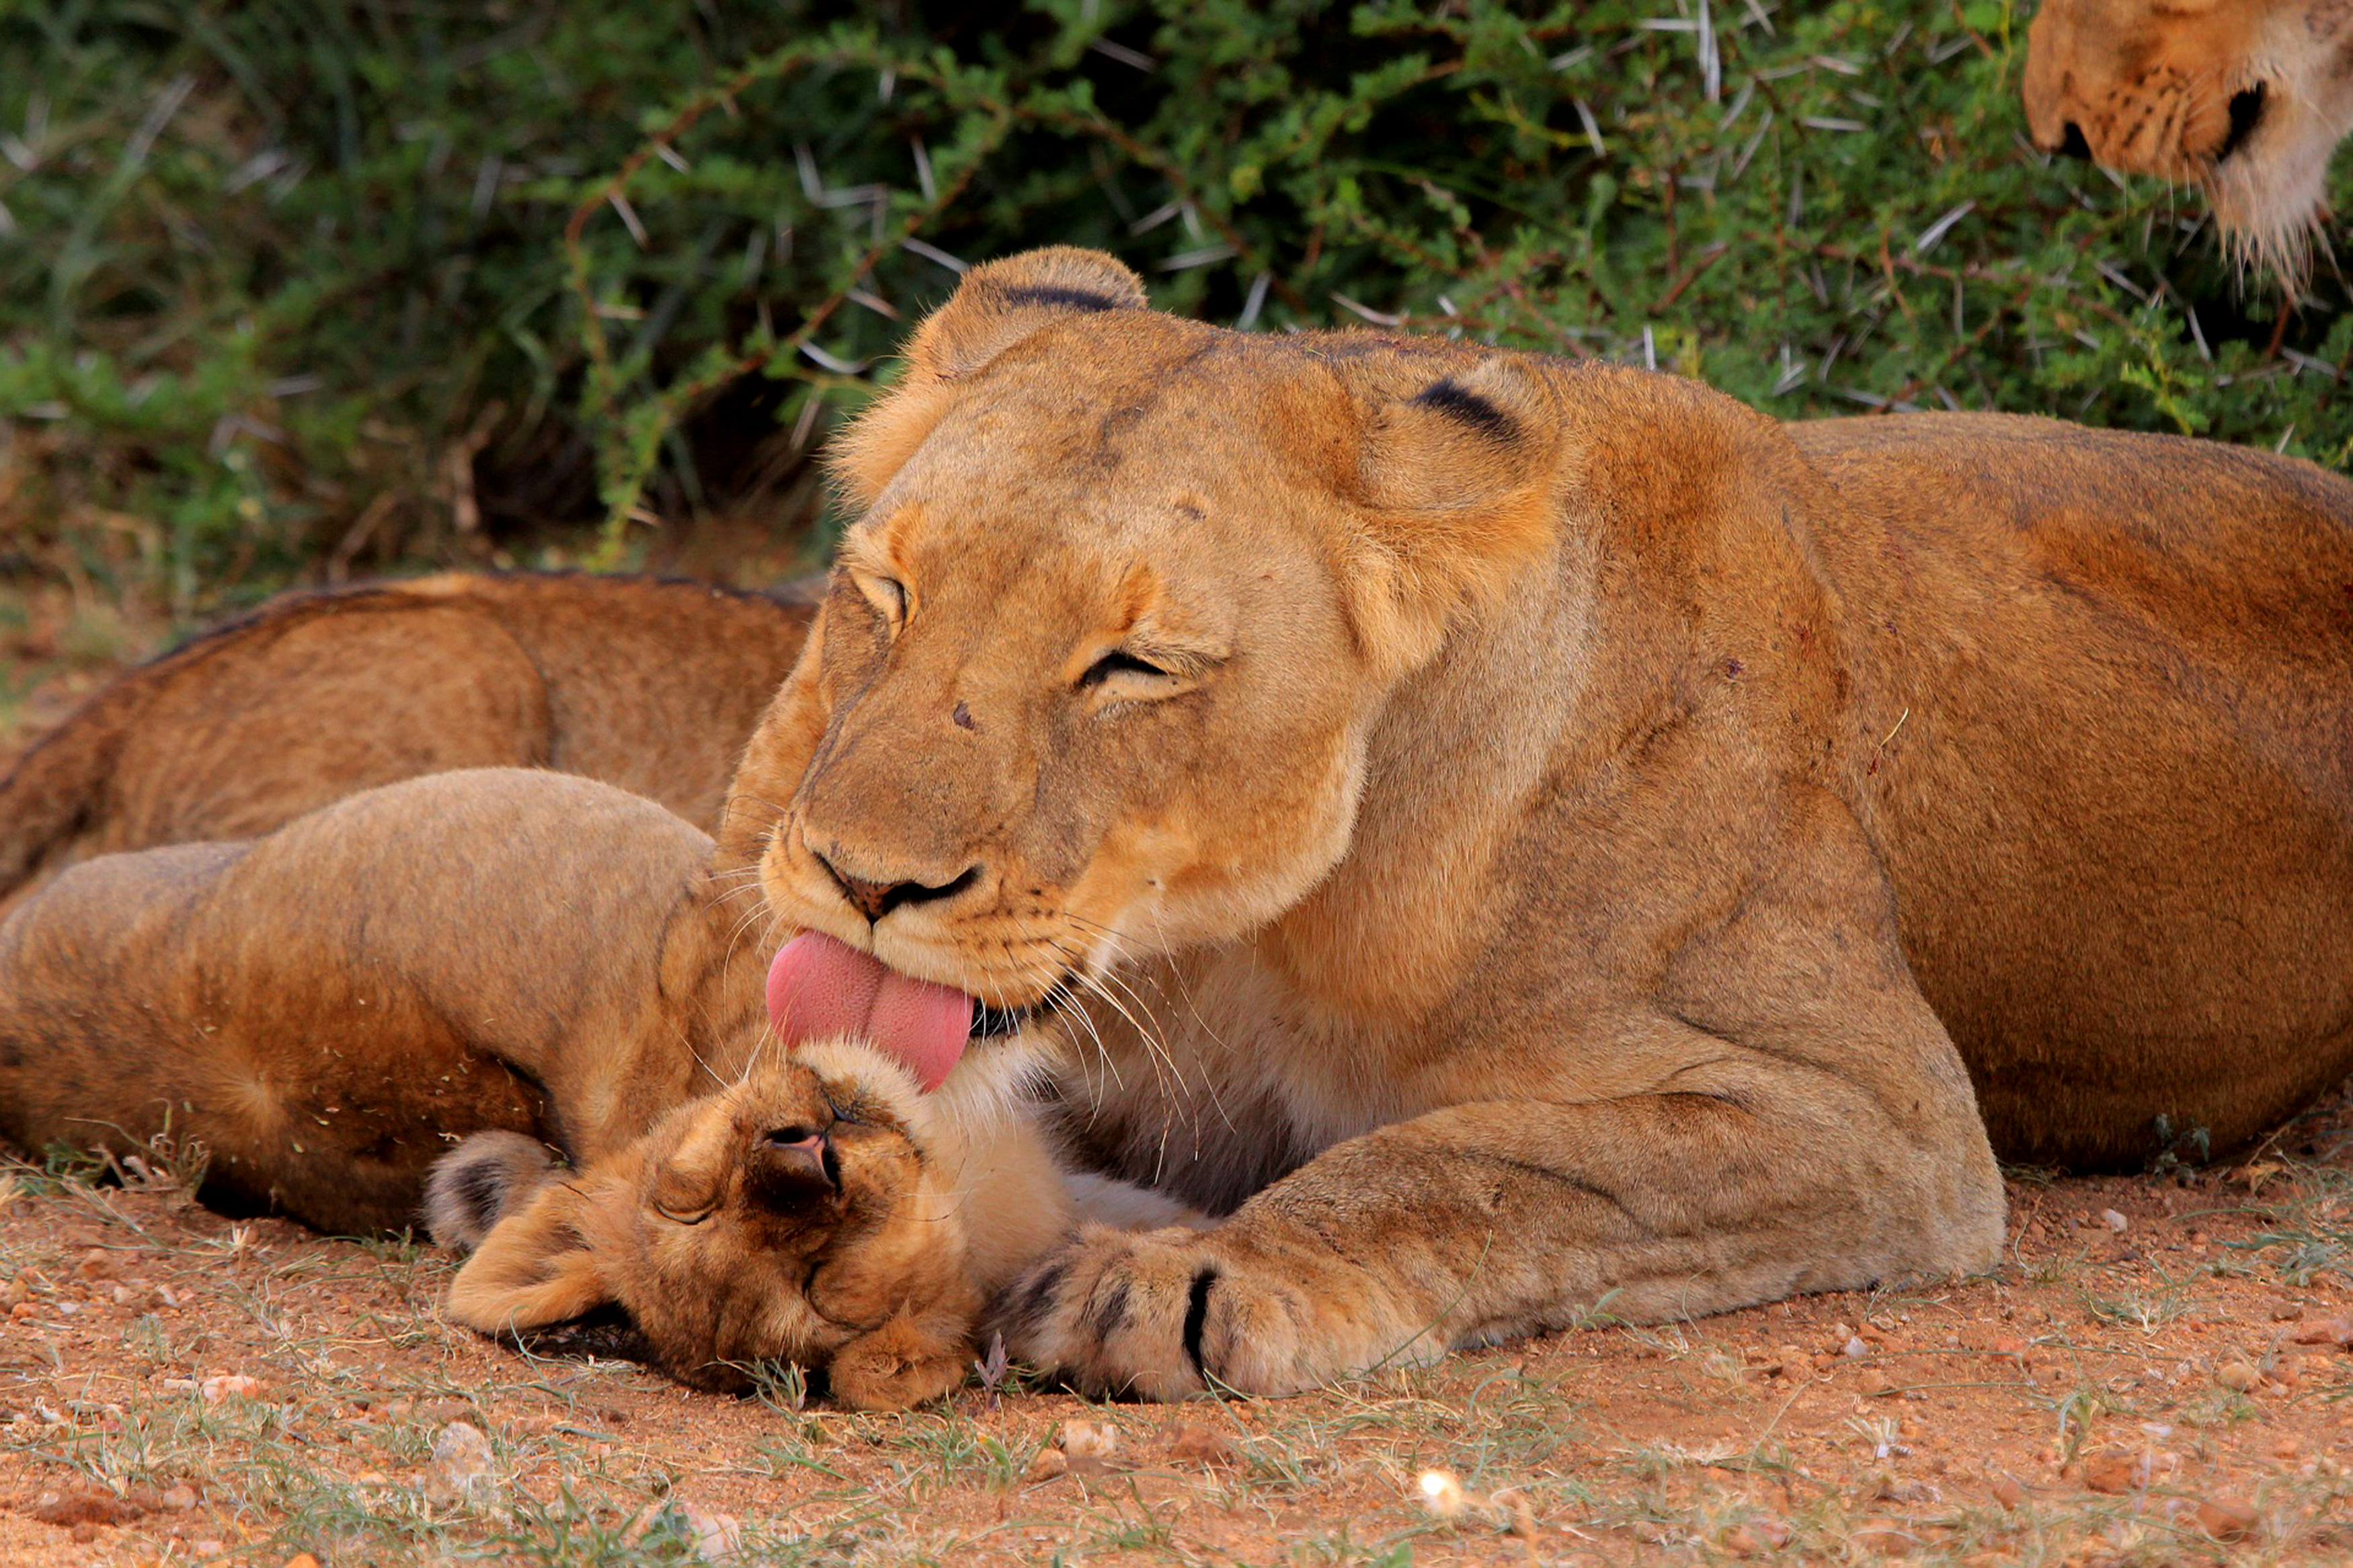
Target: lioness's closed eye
{"type": "Point", "coordinates": [813, 1212]}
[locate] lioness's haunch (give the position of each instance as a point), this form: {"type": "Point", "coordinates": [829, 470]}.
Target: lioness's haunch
{"type": "Point", "coordinates": [1528, 836]}
{"type": "Point", "coordinates": [642, 682]}
{"type": "Point", "coordinates": [537, 957]}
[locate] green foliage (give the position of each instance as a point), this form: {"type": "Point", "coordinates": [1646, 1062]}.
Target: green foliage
{"type": "Point", "coordinates": [323, 279]}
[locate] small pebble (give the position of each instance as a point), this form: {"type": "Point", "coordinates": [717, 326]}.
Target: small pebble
{"type": "Point", "coordinates": [2225, 1521]}
{"type": "Point", "coordinates": [716, 1535]}
{"type": "Point", "coordinates": [1191, 1443]}
{"type": "Point", "coordinates": [460, 1465]}
{"type": "Point", "coordinates": [2112, 1474]}
{"type": "Point", "coordinates": [1080, 1439]}
{"type": "Point", "coordinates": [2321, 1332]}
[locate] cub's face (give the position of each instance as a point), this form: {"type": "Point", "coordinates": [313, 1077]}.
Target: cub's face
{"type": "Point", "coordinates": [790, 1218]}
{"type": "Point", "coordinates": [1100, 659]}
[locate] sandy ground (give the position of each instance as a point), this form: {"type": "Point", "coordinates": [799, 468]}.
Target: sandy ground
{"type": "Point", "coordinates": [2160, 1373]}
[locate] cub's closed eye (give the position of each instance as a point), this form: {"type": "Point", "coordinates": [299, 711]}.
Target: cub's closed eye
{"type": "Point", "coordinates": [1119, 663]}
{"type": "Point", "coordinates": [887, 594]}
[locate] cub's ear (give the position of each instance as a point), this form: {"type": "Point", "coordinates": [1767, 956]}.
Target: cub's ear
{"type": "Point", "coordinates": [484, 1177]}
{"type": "Point", "coordinates": [1460, 482]}
{"type": "Point", "coordinates": [547, 1261]}
{"type": "Point", "coordinates": [997, 304]}
{"type": "Point", "coordinates": [690, 1181]}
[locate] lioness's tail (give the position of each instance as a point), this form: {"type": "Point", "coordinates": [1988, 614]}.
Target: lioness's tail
{"type": "Point", "coordinates": [56, 789]}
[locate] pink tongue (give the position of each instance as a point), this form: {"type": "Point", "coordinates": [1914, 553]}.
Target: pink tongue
{"type": "Point", "coordinates": [820, 989]}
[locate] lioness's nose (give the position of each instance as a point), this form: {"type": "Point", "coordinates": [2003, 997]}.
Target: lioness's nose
{"type": "Point", "coordinates": [875, 900]}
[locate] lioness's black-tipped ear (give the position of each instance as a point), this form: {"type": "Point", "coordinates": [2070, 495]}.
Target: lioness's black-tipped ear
{"type": "Point", "coordinates": [479, 1180]}
{"type": "Point", "coordinates": [543, 1262]}
{"type": "Point", "coordinates": [1000, 302]}
{"type": "Point", "coordinates": [997, 304]}
{"type": "Point", "coordinates": [1460, 481]}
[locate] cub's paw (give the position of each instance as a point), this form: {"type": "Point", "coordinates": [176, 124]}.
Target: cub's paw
{"type": "Point", "coordinates": [1170, 1313]}
{"type": "Point", "coordinates": [896, 1367]}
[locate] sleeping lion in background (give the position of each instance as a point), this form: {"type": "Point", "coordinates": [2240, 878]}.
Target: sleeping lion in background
{"type": "Point", "coordinates": [531, 958]}
{"type": "Point", "coordinates": [2246, 100]}
{"type": "Point", "coordinates": [645, 683]}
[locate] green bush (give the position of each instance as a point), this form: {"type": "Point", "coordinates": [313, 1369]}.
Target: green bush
{"type": "Point", "coordinates": [314, 285]}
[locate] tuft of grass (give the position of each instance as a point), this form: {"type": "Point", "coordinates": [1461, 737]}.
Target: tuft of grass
{"type": "Point", "coordinates": [2308, 1233]}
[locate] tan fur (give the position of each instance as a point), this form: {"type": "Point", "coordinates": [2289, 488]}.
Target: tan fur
{"type": "Point", "coordinates": [1574, 818]}
{"type": "Point", "coordinates": [646, 684]}
{"type": "Point", "coordinates": [2148, 85]}
{"type": "Point", "coordinates": [324, 1009]}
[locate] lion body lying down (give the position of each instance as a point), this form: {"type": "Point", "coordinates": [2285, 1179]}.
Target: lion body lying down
{"type": "Point", "coordinates": [647, 684]}
{"type": "Point", "coordinates": [528, 957]}
{"type": "Point", "coordinates": [1545, 836]}
{"type": "Point", "coordinates": [2244, 98]}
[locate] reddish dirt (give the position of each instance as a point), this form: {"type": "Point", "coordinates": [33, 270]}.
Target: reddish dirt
{"type": "Point", "coordinates": [2121, 1396]}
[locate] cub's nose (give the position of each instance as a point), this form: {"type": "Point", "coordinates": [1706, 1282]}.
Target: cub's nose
{"type": "Point", "coordinates": [793, 1164]}
{"type": "Point", "coordinates": [876, 898]}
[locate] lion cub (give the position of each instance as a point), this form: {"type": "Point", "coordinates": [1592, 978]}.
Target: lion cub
{"type": "Point", "coordinates": [526, 956]}
{"type": "Point", "coordinates": [823, 1211]}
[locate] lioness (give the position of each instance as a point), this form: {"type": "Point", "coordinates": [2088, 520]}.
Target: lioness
{"type": "Point", "coordinates": [325, 1009]}
{"type": "Point", "coordinates": [648, 684]}
{"type": "Point", "coordinates": [2244, 98]}
{"type": "Point", "coordinates": [1527, 836]}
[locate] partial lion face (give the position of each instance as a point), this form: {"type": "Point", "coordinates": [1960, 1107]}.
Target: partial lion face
{"type": "Point", "coordinates": [2245, 100]}
{"type": "Point", "coordinates": [1097, 669]}
{"type": "Point", "coordinates": [794, 1217]}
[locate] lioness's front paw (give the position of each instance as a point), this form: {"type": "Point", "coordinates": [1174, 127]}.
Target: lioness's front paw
{"type": "Point", "coordinates": [1166, 1314]}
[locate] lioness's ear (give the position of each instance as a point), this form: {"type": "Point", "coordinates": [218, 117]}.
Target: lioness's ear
{"type": "Point", "coordinates": [1001, 302]}
{"type": "Point", "coordinates": [997, 304]}
{"type": "Point", "coordinates": [540, 1264]}
{"type": "Point", "coordinates": [1459, 483]}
